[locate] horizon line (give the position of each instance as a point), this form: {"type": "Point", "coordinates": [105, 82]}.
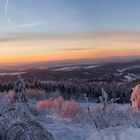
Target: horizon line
{"type": "Point", "coordinates": [75, 59]}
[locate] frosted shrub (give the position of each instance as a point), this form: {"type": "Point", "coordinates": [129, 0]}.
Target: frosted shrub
{"type": "Point", "coordinates": [45, 105]}
{"type": "Point", "coordinates": [103, 117]}
{"type": "Point", "coordinates": [104, 99]}
{"type": "Point", "coordinates": [59, 107]}
{"type": "Point", "coordinates": [70, 109]}
{"type": "Point", "coordinates": [111, 117]}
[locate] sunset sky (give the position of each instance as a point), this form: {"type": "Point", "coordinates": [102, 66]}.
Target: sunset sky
{"type": "Point", "coordinates": [46, 30]}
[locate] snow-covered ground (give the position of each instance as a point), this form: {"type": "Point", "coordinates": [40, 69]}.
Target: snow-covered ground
{"type": "Point", "coordinates": [67, 68]}
{"type": "Point", "coordinates": [69, 129]}
{"type": "Point", "coordinates": [11, 73]}
{"type": "Point", "coordinates": [96, 105]}
{"type": "Point", "coordinates": [65, 130]}
{"type": "Point", "coordinates": [126, 77]}
{"type": "Point", "coordinates": [90, 67]}
{"type": "Point", "coordinates": [128, 68]}
{"type": "Point", "coordinates": [71, 68]}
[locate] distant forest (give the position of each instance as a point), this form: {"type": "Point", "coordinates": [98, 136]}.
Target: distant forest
{"type": "Point", "coordinates": [76, 91]}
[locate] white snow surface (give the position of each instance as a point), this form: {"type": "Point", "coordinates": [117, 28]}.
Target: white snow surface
{"type": "Point", "coordinates": [90, 67]}
{"type": "Point", "coordinates": [71, 68]}
{"type": "Point", "coordinates": [128, 68]}
{"type": "Point", "coordinates": [67, 68]}
{"type": "Point", "coordinates": [67, 129]}
{"type": "Point", "coordinates": [11, 73]}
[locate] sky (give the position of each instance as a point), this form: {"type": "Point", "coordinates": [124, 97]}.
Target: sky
{"type": "Point", "coordinates": [49, 30]}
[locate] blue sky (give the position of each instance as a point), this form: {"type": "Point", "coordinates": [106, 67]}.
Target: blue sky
{"type": "Point", "coordinates": [69, 15]}
{"type": "Point", "coordinates": [36, 30]}
{"type": "Point", "coordinates": [47, 15]}
{"type": "Point", "coordinates": [117, 14]}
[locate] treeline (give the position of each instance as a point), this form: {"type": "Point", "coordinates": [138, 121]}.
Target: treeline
{"type": "Point", "coordinates": [69, 90]}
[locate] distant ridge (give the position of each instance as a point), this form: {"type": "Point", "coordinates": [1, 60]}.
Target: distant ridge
{"type": "Point", "coordinates": [49, 64]}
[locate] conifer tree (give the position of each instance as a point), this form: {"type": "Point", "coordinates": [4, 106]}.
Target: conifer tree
{"type": "Point", "coordinates": [20, 90]}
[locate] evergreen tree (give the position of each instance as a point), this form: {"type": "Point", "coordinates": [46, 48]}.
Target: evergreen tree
{"type": "Point", "coordinates": [20, 90]}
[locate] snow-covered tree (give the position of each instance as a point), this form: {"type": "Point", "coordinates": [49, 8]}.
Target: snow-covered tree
{"type": "Point", "coordinates": [135, 97]}
{"type": "Point", "coordinates": [105, 100]}
{"type": "Point", "coordinates": [20, 90]}
{"type": "Point", "coordinates": [17, 122]}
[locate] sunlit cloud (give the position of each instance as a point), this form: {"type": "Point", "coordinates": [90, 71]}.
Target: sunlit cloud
{"type": "Point", "coordinates": [75, 49]}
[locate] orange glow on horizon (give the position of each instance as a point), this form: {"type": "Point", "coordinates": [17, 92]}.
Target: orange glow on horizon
{"type": "Point", "coordinates": [63, 48]}
{"type": "Point", "coordinates": [65, 56]}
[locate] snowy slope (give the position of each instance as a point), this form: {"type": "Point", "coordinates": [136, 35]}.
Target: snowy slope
{"type": "Point", "coordinates": [70, 129]}
{"type": "Point", "coordinates": [66, 130]}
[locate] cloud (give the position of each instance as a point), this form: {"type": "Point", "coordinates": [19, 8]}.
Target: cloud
{"type": "Point", "coordinates": [6, 12]}
{"type": "Point", "coordinates": [15, 37]}
{"type": "Point", "coordinates": [6, 6]}
{"type": "Point", "coordinates": [98, 37]}
{"type": "Point", "coordinates": [28, 25]}
{"type": "Point", "coordinates": [75, 49]}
